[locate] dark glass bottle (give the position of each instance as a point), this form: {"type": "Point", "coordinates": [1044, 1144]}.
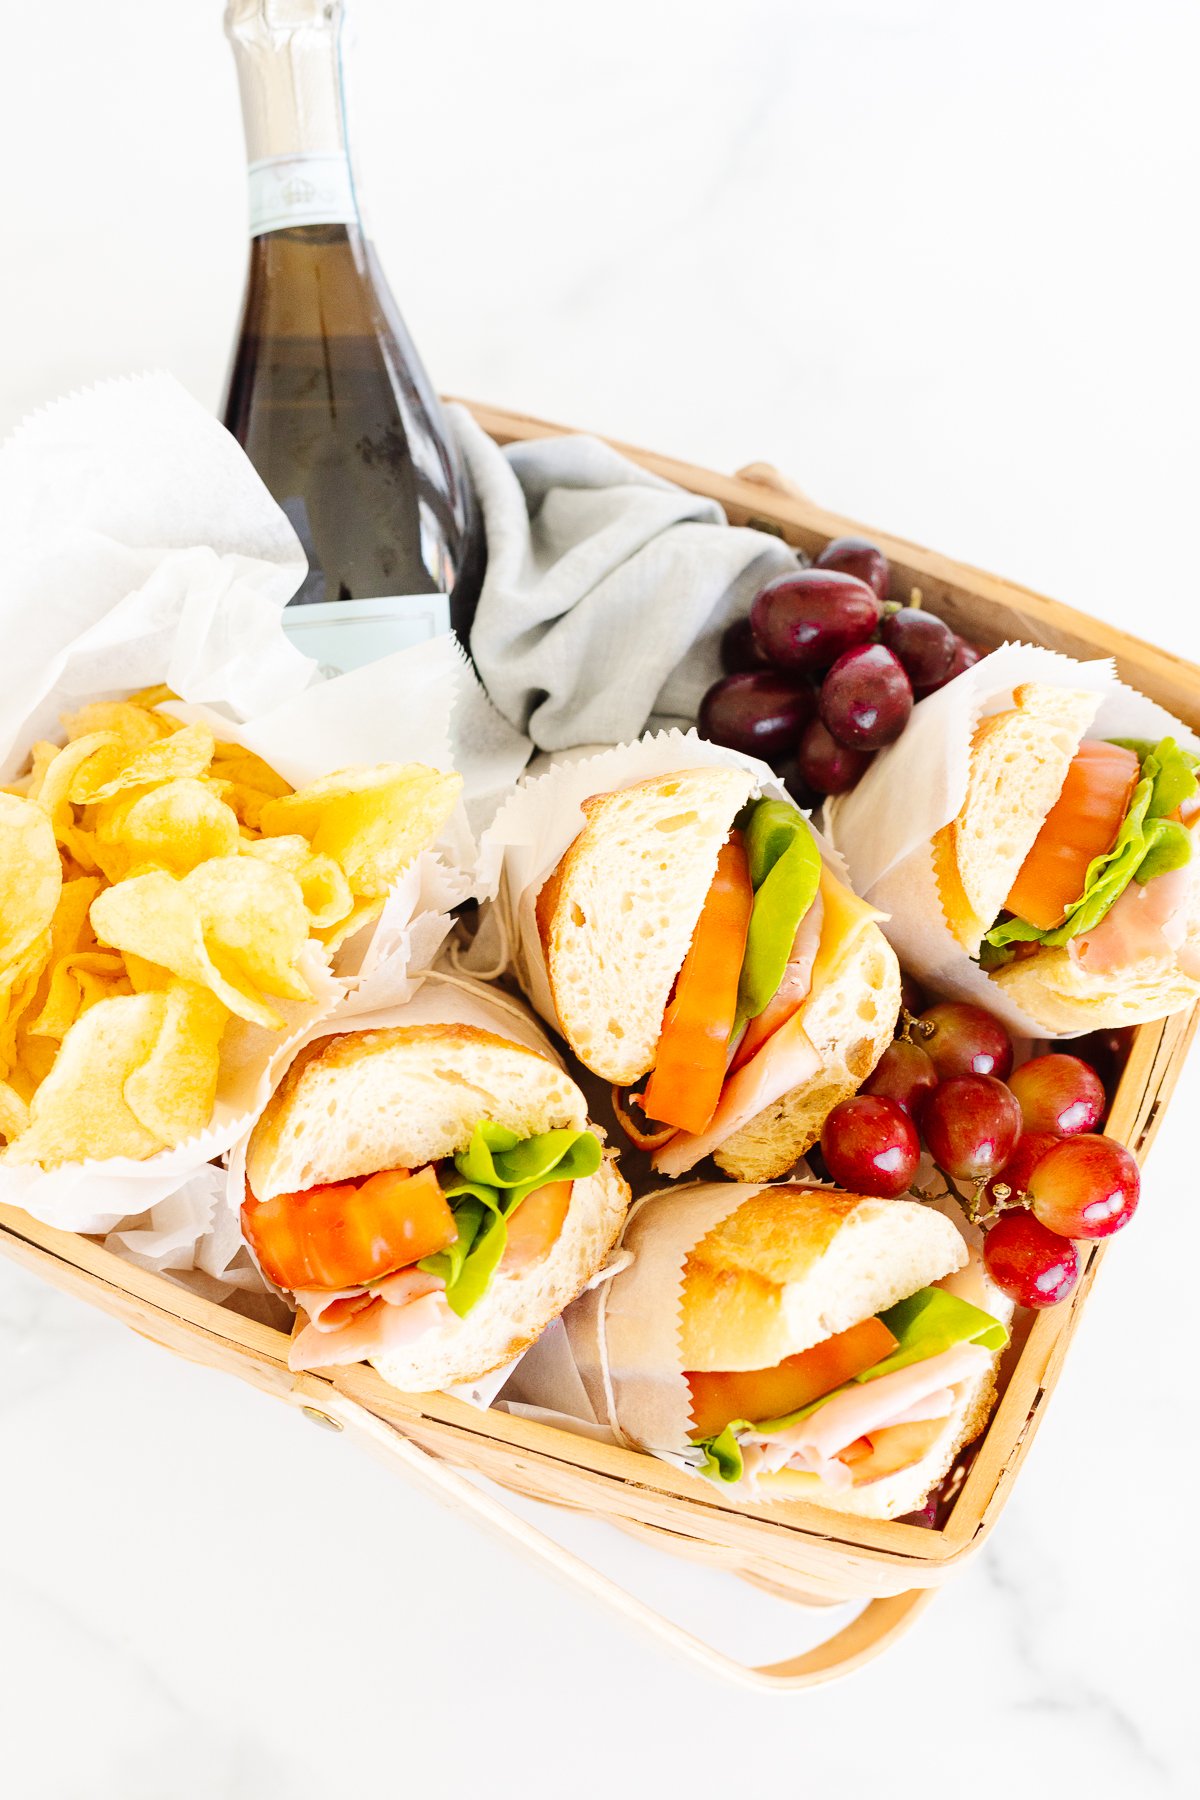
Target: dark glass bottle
{"type": "Point", "coordinates": [326, 393]}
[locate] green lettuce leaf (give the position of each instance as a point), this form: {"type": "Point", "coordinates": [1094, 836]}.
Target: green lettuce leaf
{"type": "Point", "coordinates": [785, 871]}
{"type": "Point", "coordinates": [494, 1174]}
{"type": "Point", "coordinates": [927, 1323]}
{"type": "Point", "coordinates": [1148, 844]}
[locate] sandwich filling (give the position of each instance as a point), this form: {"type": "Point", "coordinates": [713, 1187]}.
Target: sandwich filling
{"type": "Point", "coordinates": [1108, 875]}
{"type": "Point", "coordinates": [377, 1261]}
{"type": "Point", "coordinates": [858, 1407]}
{"type": "Point", "coordinates": [775, 925]}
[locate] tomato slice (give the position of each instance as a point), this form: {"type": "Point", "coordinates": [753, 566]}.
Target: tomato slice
{"type": "Point", "coordinates": [1082, 824]}
{"type": "Point", "coordinates": [347, 1233]}
{"type": "Point", "coordinates": [757, 1394]}
{"type": "Point", "coordinates": [533, 1229]}
{"type": "Point", "coordinates": [693, 1047]}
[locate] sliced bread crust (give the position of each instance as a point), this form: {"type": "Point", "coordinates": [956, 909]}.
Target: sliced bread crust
{"type": "Point", "coordinates": [400, 1098]}
{"type": "Point", "coordinates": [1019, 761]}
{"type": "Point", "coordinates": [617, 915]}
{"type": "Point", "coordinates": [793, 1266]}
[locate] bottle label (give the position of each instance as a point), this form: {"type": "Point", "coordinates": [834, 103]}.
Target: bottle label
{"type": "Point", "coordinates": [345, 634]}
{"type": "Point", "coordinates": [310, 188]}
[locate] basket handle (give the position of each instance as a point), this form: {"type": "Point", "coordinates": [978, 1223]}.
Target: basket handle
{"type": "Point", "coordinates": [879, 1624]}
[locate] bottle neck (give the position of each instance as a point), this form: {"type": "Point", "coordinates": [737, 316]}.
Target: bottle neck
{"type": "Point", "coordinates": [289, 64]}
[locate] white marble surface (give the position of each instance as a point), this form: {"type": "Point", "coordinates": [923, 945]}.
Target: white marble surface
{"type": "Point", "coordinates": [935, 260]}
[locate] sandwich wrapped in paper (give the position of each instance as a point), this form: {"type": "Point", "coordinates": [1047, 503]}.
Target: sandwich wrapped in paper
{"type": "Point", "coordinates": [427, 1186]}
{"type": "Point", "coordinates": [677, 918]}
{"type": "Point", "coordinates": [1043, 862]}
{"type": "Point", "coordinates": [792, 1342]}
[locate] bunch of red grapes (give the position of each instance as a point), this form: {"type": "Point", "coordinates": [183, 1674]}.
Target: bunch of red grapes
{"type": "Point", "coordinates": [1023, 1141]}
{"type": "Point", "coordinates": [825, 670]}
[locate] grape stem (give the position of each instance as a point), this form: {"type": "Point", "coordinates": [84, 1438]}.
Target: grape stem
{"type": "Point", "coordinates": [910, 1023]}
{"type": "Point", "coordinates": [1003, 1199]}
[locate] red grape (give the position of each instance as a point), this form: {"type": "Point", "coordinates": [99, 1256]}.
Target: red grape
{"type": "Point", "coordinates": [1086, 1187]}
{"type": "Point", "coordinates": [739, 650]}
{"type": "Point", "coordinates": [971, 1125]}
{"type": "Point", "coordinates": [1060, 1094]}
{"type": "Point", "coordinates": [961, 1039]}
{"type": "Point", "coordinates": [806, 620]}
{"type": "Point", "coordinates": [1031, 1147]}
{"type": "Point", "coordinates": [827, 766]}
{"type": "Point", "coordinates": [904, 1074]}
{"type": "Point", "coordinates": [870, 1146]}
{"type": "Point", "coordinates": [923, 644]}
{"type": "Point", "coordinates": [761, 712]}
{"type": "Point", "coordinates": [858, 556]}
{"type": "Point", "coordinates": [1033, 1266]}
{"type": "Point", "coordinates": [965, 657]}
{"type": "Point", "coordinates": [866, 698]}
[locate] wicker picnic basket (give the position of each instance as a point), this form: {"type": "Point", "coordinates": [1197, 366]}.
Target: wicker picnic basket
{"type": "Point", "coordinates": [814, 1557]}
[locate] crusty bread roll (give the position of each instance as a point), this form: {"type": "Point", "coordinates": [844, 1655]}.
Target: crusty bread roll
{"type": "Point", "coordinates": [407, 1096]}
{"type": "Point", "coordinates": [794, 1266]}
{"type": "Point", "coordinates": [616, 918]}
{"type": "Point", "coordinates": [1019, 761]}
{"type": "Point", "coordinates": [362, 1101]}
{"type": "Point", "coordinates": [617, 915]}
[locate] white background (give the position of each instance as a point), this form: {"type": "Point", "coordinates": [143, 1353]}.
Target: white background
{"type": "Point", "coordinates": [937, 261]}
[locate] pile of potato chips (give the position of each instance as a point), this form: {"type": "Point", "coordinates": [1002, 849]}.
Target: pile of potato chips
{"type": "Point", "coordinates": [155, 882]}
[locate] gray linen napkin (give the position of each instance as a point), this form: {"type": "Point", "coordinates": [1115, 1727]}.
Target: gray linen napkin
{"type": "Point", "coordinates": [607, 589]}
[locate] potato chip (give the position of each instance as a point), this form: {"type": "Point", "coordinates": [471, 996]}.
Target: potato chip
{"type": "Point", "coordinates": [173, 826]}
{"type": "Point", "coordinates": [134, 725]}
{"type": "Point", "coordinates": [151, 696]}
{"type": "Point", "coordinates": [249, 782]}
{"type": "Point", "coordinates": [234, 925]}
{"type": "Point", "coordinates": [365, 912]}
{"type": "Point", "coordinates": [77, 982]}
{"type": "Point", "coordinates": [373, 821]}
{"type": "Point", "coordinates": [14, 1113]}
{"type": "Point", "coordinates": [18, 999]}
{"type": "Point", "coordinates": [29, 785]}
{"type": "Point", "coordinates": [189, 752]}
{"type": "Point", "coordinates": [30, 878]}
{"type": "Point", "coordinates": [54, 796]}
{"type": "Point", "coordinates": [325, 889]}
{"type": "Point", "coordinates": [172, 1093]}
{"type": "Point", "coordinates": [72, 929]}
{"type": "Point", "coordinates": [145, 977]}
{"type": "Point", "coordinates": [80, 1110]}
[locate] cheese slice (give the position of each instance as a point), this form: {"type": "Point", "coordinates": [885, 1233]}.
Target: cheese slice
{"type": "Point", "coordinates": [846, 918]}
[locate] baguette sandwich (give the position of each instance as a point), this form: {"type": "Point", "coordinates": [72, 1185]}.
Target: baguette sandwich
{"type": "Point", "coordinates": [702, 957]}
{"type": "Point", "coordinates": [1069, 873]}
{"type": "Point", "coordinates": [430, 1193]}
{"type": "Point", "coordinates": [835, 1349]}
